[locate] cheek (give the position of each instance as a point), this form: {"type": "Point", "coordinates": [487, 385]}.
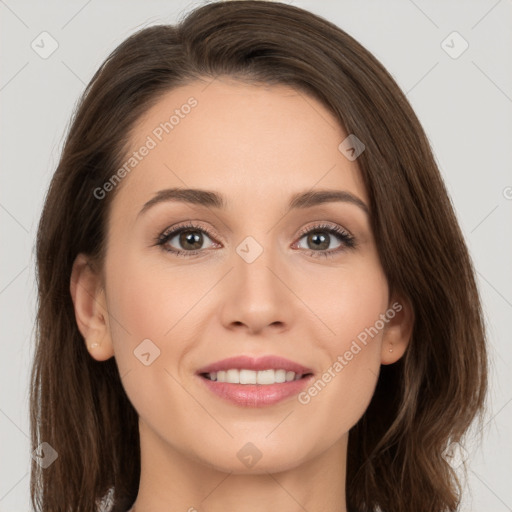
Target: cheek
{"type": "Point", "coordinates": [145, 307]}
{"type": "Point", "coordinates": [352, 345]}
{"type": "Point", "coordinates": [142, 310]}
{"type": "Point", "coordinates": [154, 309]}
{"type": "Point", "coordinates": [148, 299]}
{"type": "Point", "coordinates": [136, 302]}
{"type": "Point", "coordinates": [349, 301]}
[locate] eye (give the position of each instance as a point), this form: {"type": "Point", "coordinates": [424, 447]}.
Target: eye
{"type": "Point", "coordinates": [190, 237]}
{"type": "Point", "coordinates": [316, 238]}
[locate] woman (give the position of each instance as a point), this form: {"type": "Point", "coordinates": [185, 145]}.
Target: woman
{"type": "Point", "coordinates": [320, 346]}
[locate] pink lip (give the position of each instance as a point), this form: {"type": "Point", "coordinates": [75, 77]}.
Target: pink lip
{"type": "Point", "coordinates": [250, 363]}
{"type": "Point", "coordinates": [254, 395]}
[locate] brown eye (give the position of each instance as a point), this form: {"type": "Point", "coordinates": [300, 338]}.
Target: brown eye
{"type": "Point", "coordinates": [184, 240]}
{"type": "Point", "coordinates": [319, 238]}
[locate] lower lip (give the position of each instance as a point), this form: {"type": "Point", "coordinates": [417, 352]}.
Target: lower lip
{"type": "Point", "coordinates": [254, 395]}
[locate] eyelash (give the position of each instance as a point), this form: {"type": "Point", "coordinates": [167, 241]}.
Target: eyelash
{"type": "Point", "coordinates": [348, 241]}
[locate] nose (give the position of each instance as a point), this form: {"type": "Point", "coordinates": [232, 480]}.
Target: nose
{"type": "Point", "coordinates": [257, 295]}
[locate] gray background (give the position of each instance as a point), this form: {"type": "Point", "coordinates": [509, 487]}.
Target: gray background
{"type": "Point", "coordinates": [464, 104]}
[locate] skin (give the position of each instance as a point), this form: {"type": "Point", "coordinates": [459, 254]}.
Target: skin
{"type": "Point", "coordinates": [257, 145]}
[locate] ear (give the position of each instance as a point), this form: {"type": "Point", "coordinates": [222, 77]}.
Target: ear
{"type": "Point", "coordinates": [397, 331]}
{"type": "Point", "coordinates": [91, 313]}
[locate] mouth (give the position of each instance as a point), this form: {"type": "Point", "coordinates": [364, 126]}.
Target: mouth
{"type": "Point", "coordinates": [248, 388]}
{"type": "Point", "coordinates": [248, 381]}
{"type": "Point", "coordinates": [261, 377]}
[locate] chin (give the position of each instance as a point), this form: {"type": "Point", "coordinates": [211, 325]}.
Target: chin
{"type": "Point", "coordinates": [251, 460]}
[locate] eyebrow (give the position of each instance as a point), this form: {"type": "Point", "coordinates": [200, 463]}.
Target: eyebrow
{"type": "Point", "coordinates": [211, 199]}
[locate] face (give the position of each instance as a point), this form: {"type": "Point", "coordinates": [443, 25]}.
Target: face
{"type": "Point", "coordinates": [252, 278]}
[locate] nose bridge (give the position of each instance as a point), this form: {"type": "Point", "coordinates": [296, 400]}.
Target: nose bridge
{"type": "Point", "coordinates": [253, 260]}
{"type": "Point", "coordinates": [259, 252]}
{"type": "Point", "coordinates": [256, 247]}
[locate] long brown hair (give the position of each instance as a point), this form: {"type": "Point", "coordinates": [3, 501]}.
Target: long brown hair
{"type": "Point", "coordinates": [422, 403]}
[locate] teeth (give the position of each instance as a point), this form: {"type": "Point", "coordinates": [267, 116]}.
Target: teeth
{"type": "Point", "coordinates": [263, 377]}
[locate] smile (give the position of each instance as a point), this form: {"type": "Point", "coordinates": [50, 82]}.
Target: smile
{"type": "Point", "coordinates": [262, 377]}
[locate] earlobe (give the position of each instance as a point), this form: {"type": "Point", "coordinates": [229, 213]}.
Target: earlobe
{"type": "Point", "coordinates": [90, 308]}
{"type": "Point", "coordinates": [398, 330]}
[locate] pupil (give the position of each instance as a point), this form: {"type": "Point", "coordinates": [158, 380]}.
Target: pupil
{"type": "Point", "coordinates": [189, 237]}
{"type": "Point", "coordinates": [323, 241]}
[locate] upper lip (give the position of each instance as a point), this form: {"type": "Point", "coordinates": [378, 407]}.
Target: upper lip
{"type": "Point", "coordinates": [255, 364]}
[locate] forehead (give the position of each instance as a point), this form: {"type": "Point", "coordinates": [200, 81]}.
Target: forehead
{"type": "Point", "coordinates": [248, 140]}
